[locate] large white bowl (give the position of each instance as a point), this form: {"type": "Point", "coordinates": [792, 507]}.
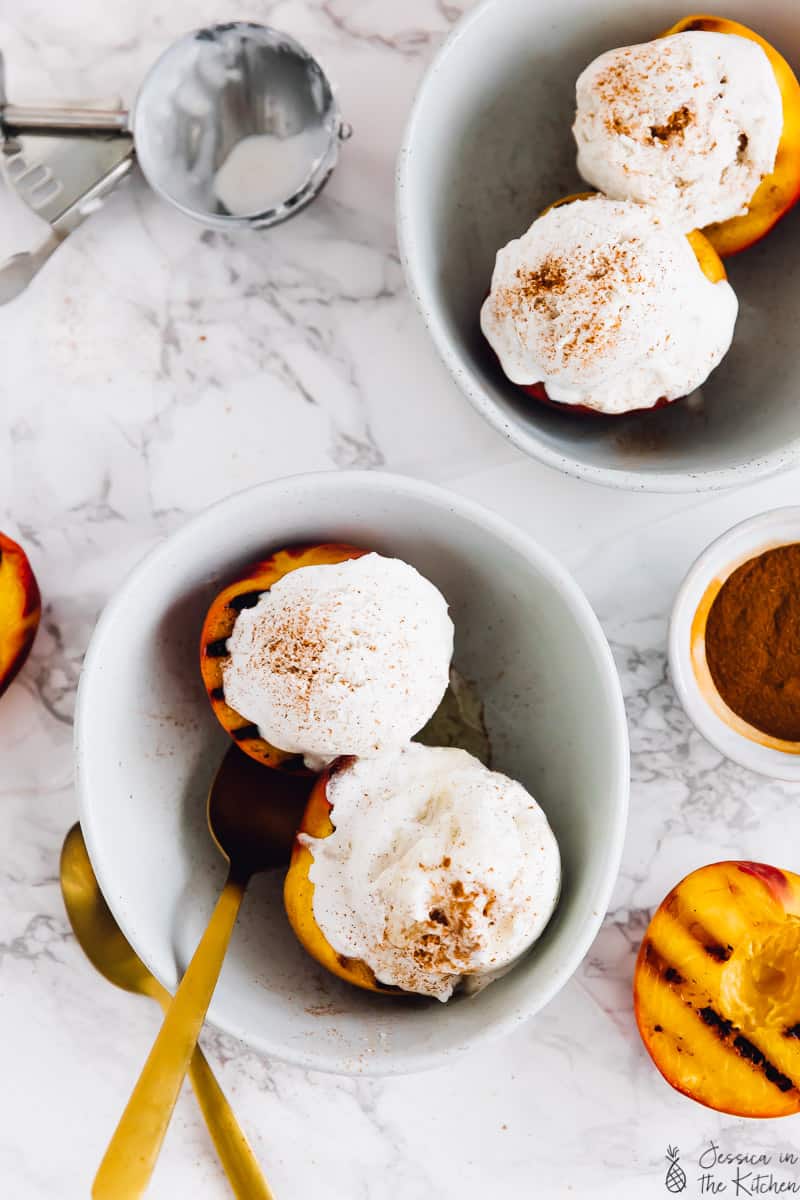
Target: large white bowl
{"type": "Point", "coordinates": [488, 145]}
{"type": "Point", "coordinates": [147, 745]}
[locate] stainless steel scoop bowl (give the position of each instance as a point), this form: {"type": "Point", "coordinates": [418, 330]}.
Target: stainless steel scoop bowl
{"type": "Point", "coordinates": [214, 89]}
{"type": "Point", "coordinates": [214, 94]}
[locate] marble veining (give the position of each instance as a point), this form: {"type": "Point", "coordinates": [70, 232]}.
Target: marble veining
{"type": "Point", "coordinates": [155, 367]}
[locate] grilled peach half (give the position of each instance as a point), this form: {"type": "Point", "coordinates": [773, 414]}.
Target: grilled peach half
{"type": "Point", "coordinates": [243, 593]}
{"type": "Point", "coordinates": [298, 895]}
{"type": "Point", "coordinates": [780, 190]}
{"type": "Point", "coordinates": [717, 989]}
{"type": "Point", "coordinates": [711, 266]}
{"type": "Point", "coordinates": [20, 609]}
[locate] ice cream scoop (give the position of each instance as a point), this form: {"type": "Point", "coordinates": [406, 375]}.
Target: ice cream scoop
{"type": "Point", "coordinates": [689, 124]}
{"type": "Point", "coordinates": [341, 658]}
{"type": "Point", "coordinates": [421, 870]}
{"type": "Point", "coordinates": [236, 125]}
{"type": "Point", "coordinates": [609, 306]}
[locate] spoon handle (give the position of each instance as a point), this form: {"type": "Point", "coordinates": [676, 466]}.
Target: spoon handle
{"type": "Point", "coordinates": [234, 1150]}
{"type": "Point", "coordinates": [134, 1147]}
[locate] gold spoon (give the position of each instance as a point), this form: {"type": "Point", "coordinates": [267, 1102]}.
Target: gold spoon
{"type": "Point", "coordinates": [105, 945]}
{"type": "Point", "coordinates": [253, 813]}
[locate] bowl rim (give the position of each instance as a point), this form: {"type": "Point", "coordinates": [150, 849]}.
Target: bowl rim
{"type": "Point", "coordinates": [371, 481]}
{"type": "Point", "coordinates": [670, 482]}
{"type": "Point", "coordinates": [772, 763]}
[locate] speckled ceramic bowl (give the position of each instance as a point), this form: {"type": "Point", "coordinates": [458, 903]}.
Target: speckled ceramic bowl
{"type": "Point", "coordinates": [147, 745]}
{"type": "Point", "coordinates": [487, 147]}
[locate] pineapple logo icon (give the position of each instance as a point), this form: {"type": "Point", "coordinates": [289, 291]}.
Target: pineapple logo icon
{"type": "Point", "coordinates": [675, 1180]}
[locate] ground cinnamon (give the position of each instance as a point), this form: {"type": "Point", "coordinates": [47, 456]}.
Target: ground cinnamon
{"type": "Point", "coordinates": [753, 642]}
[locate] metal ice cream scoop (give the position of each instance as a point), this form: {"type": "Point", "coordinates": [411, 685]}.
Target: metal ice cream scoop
{"type": "Point", "coordinates": [235, 125]}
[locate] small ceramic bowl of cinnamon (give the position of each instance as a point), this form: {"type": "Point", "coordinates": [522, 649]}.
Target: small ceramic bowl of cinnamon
{"type": "Point", "coordinates": [734, 643]}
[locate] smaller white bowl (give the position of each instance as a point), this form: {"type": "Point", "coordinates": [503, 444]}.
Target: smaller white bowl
{"type": "Point", "coordinates": [732, 736]}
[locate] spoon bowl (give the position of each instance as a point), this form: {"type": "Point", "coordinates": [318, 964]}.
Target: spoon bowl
{"type": "Point", "coordinates": [97, 933]}
{"type": "Point", "coordinates": [254, 812]}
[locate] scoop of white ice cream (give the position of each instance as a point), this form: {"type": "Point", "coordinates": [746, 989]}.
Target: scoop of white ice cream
{"type": "Point", "coordinates": [689, 124]}
{"type": "Point", "coordinates": [344, 658]}
{"type": "Point", "coordinates": [438, 871]}
{"type": "Point", "coordinates": [605, 303]}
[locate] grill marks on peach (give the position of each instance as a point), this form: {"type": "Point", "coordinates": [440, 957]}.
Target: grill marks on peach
{"type": "Point", "coordinates": [700, 1003]}
{"type": "Point", "coordinates": [711, 944]}
{"type": "Point", "coordinates": [245, 733]}
{"type": "Point", "coordinates": [695, 1044]}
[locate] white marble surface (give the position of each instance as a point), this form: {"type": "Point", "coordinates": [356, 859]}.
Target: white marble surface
{"type": "Point", "coordinates": [154, 368]}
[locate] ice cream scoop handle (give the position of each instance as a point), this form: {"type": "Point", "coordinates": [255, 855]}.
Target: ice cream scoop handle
{"type": "Point", "coordinates": [17, 272]}
{"type": "Point", "coordinates": [18, 118]}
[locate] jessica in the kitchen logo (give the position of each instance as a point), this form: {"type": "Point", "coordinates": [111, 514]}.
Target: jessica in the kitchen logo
{"type": "Point", "coordinates": [723, 1171]}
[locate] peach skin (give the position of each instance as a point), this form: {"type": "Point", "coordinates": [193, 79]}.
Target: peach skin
{"type": "Point", "coordinates": [20, 609]}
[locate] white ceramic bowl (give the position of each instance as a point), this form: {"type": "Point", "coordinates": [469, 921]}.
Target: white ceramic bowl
{"type": "Point", "coordinates": [147, 745]}
{"type": "Point", "coordinates": [690, 676]}
{"type": "Point", "coordinates": [487, 147]}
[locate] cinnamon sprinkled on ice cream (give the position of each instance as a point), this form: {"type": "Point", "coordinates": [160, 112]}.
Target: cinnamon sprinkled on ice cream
{"type": "Point", "coordinates": [689, 124]}
{"type": "Point", "coordinates": [438, 872]}
{"type": "Point", "coordinates": [605, 303]}
{"type": "Point", "coordinates": [344, 658]}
